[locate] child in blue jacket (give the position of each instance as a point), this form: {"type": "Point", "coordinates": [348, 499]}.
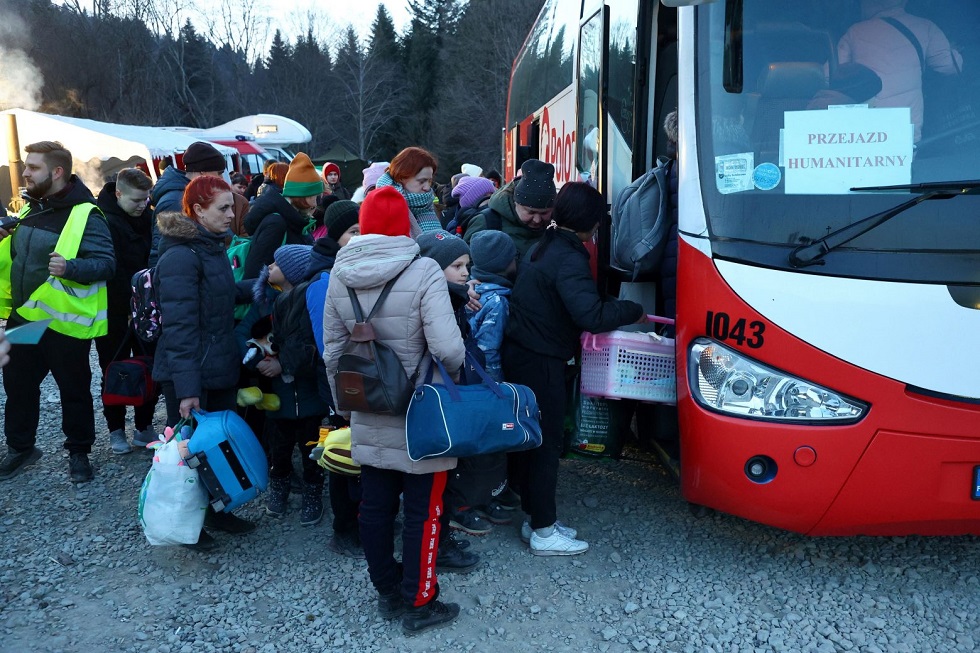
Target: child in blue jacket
{"type": "Point", "coordinates": [494, 266]}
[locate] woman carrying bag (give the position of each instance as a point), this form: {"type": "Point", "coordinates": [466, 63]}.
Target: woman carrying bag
{"type": "Point", "coordinates": [415, 320]}
{"type": "Point", "coordinates": [553, 301]}
{"type": "Point", "coordinates": [197, 360]}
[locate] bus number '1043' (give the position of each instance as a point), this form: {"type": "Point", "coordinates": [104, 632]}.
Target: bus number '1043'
{"type": "Point", "coordinates": [722, 327]}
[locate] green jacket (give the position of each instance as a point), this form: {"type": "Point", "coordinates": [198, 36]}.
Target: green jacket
{"type": "Point", "coordinates": [503, 203]}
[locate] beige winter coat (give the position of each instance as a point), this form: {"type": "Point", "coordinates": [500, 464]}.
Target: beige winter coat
{"type": "Point", "coordinates": [417, 315]}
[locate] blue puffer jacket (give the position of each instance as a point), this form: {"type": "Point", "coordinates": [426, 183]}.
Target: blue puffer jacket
{"type": "Point", "coordinates": [488, 324]}
{"type": "Point", "coordinates": [197, 349]}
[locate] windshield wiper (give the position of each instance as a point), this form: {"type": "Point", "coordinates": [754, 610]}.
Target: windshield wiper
{"type": "Point", "coordinates": [813, 253]}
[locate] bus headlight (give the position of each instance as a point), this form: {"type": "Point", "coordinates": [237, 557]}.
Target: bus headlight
{"type": "Point", "coordinates": [725, 380]}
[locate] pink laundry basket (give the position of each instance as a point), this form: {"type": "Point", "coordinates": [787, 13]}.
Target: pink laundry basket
{"type": "Point", "coordinates": [629, 365]}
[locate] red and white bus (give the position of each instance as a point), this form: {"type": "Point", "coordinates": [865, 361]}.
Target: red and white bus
{"type": "Point", "coordinates": [828, 324]}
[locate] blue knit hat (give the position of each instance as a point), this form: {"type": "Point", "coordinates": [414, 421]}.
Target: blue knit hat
{"type": "Point", "coordinates": [293, 261]}
{"type": "Point", "coordinates": [492, 252]}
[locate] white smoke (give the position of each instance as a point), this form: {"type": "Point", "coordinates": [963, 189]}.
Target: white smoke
{"type": "Point", "coordinates": [20, 80]}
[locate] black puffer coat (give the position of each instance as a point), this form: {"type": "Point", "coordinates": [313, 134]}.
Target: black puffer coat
{"type": "Point", "coordinates": [555, 299]}
{"type": "Point", "coordinates": [271, 220]}
{"type": "Point", "coordinates": [131, 238]}
{"type": "Point", "coordinates": [197, 349]}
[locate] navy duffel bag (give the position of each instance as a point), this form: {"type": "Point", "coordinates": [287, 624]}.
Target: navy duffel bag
{"type": "Point", "coordinates": [459, 421]}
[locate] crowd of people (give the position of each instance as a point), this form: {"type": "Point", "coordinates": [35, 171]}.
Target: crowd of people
{"type": "Point", "coordinates": [501, 272]}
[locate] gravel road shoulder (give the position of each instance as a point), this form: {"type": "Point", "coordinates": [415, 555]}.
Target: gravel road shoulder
{"type": "Point", "coordinates": [76, 574]}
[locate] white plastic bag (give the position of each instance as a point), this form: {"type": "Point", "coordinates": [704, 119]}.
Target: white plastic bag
{"type": "Point", "coordinates": [172, 500]}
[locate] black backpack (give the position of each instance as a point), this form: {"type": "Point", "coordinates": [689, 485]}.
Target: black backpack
{"type": "Point", "coordinates": [370, 377]}
{"type": "Point", "coordinates": [144, 304]}
{"type": "Point", "coordinates": [493, 220]}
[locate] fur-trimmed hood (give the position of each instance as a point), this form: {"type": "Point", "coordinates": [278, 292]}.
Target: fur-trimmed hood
{"type": "Point", "coordinates": [177, 225]}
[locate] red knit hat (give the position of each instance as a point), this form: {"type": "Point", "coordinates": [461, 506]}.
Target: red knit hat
{"type": "Point", "coordinates": [384, 212]}
{"type": "Point", "coordinates": [329, 167]}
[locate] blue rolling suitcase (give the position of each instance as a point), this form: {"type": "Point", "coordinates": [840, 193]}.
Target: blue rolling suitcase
{"type": "Point", "coordinates": [229, 459]}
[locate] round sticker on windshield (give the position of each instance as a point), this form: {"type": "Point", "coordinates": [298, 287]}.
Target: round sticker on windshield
{"type": "Point", "coordinates": [766, 176]}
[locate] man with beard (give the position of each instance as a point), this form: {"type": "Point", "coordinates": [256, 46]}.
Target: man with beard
{"type": "Point", "coordinates": [53, 266]}
{"type": "Point", "coordinates": [125, 203]}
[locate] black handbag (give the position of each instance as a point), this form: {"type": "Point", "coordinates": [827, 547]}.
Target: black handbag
{"type": "Point", "coordinates": [370, 377]}
{"type": "Point", "coordinates": [129, 381]}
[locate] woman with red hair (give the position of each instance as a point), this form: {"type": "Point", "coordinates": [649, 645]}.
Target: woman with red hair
{"type": "Point", "coordinates": [411, 173]}
{"type": "Point", "coordinates": [196, 360]}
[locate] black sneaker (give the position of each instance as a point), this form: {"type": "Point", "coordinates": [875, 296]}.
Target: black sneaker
{"type": "Point", "coordinates": [462, 544]}
{"type": "Point", "coordinates": [495, 513]}
{"type": "Point", "coordinates": [390, 604]}
{"type": "Point", "coordinates": [347, 544]}
{"type": "Point", "coordinates": [469, 522]}
{"type": "Point", "coordinates": [431, 615]}
{"type": "Point", "coordinates": [79, 468]}
{"type": "Point", "coordinates": [227, 522]}
{"type": "Point", "coordinates": [452, 558]}
{"type": "Point", "coordinates": [205, 542]}
{"type": "Point", "coordinates": [16, 462]}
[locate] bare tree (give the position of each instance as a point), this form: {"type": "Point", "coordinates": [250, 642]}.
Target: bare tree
{"type": "Point", "coordinates": [243, 25]}
{"type": "Point", "coordinates": [369, 98]}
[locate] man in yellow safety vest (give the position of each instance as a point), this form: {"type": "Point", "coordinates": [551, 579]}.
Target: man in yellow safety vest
{"type": "Point", "coordinates": [53, 266]}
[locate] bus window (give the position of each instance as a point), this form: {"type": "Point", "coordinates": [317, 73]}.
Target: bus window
{"type": "Point", "coordinates": [544, 66]}
{"type": "Point", "coordinates": [620, 95]}
{"type": "Point", "coordinates": [589, 65]}
{"type": "Point", "coordinates": [819, 114]}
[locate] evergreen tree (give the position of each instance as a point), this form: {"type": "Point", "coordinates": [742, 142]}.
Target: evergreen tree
{"type": "Point", "coordinates": [433, 24]}
{"type": "Point", "coordinates": [385, 54]}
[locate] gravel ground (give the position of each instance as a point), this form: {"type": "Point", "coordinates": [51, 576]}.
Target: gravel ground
{"type": "Point", "coordinates": [76, 574]}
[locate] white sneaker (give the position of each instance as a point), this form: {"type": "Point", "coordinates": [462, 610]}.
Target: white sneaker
{"type": "Point", "coordinates": [120, 445]}
{"type": "Point", "coordinates": [558, 544]}
{"type": "Point", "coordinates": [145, 437]}
{"type": "Point", "coordinates": [526, 531]}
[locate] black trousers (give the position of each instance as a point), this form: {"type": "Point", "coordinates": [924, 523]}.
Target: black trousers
{"type": "Point", "coordinates": [345, 498]}
{"type": "Point", "coordinates": [124, 341]}
{"type": "Point", "coordinates": [422, 508]}
{"type": "Point", "coordinates": [535, 472]}
{"type": "Point", "coordinates": [287, 434]}
{"type": "Point", "coordinates": [67, 360]}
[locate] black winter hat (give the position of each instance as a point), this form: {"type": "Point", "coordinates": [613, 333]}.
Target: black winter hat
{"type": "Point", "coordinates": [536, 187]}
{"type": "Point", "coordinates": [339, 217]}
{"type": "Point", "coordinates": [203, 157]}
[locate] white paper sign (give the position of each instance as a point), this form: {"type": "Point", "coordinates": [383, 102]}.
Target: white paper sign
{"type": "Point", "coordinates": [733, 172]}
{"type": "Point", "coordinates": [828, 152]}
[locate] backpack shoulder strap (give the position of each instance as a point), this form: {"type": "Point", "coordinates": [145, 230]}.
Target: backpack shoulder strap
{"type": "Point", "coordinates": [356, 304]}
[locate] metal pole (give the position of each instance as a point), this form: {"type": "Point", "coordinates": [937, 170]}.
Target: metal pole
{"type": "Point", "coordinates": [15, 162]}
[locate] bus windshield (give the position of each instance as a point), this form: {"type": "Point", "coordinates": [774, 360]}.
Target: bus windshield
{"type": "Point", "coordinates": [834, 95]}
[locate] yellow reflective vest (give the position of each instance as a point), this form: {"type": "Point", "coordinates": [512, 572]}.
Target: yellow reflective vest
{"type": "Point", "coordinates": [76, 309]}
